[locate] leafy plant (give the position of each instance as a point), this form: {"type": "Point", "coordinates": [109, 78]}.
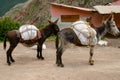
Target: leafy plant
{"type": "Point", "coordinates": [7, 24]}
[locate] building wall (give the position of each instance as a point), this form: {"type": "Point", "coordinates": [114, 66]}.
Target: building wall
{"type": "Point", "coordinates": [116, 2]}
{"type": "Point", "coordinates": [57, 11]}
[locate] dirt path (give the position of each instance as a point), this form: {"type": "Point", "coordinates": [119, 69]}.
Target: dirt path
{"type": "Point", "coordinates": [75, 59]}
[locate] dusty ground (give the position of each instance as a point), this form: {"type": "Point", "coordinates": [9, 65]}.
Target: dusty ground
{"type": "Point", "coordinates": [75, 59]}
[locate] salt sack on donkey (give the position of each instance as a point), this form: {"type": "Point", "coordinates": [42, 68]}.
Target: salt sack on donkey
{"type": "Point", "coordinates": [85, 33]}
{"type": "Point", "coordinates": [28, 32]}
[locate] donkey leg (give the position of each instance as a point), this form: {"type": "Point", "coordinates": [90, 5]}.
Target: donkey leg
{"type": "Point", "coordinates": [11, 58]}
{"type": "Point", "coordinates": [38, 49]}
{"type": "Point", "coordinates": [8, 59]}
{"type": "Point", "coordinates": [39, 52]}
{"type": "Point", "coordinates": [41, 56]}
{"type": "Point", "coordinates": [9, 55]}
{"type": "Point", "coordinates": [91, 61]}
{"type": "Point", "coordinates": [59, 57]}
{"type": "Point", "coordinates": [60, 50]}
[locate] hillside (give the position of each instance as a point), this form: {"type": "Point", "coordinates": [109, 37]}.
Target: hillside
{"type": "Point", "coordinates": [38, 11]}
{"type": "Point", "coordinates": [6, 5]}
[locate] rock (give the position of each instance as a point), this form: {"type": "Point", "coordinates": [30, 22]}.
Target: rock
{"type": "Point", "coordinates": [102, 43]}
{"type": "Point", "coordinates": [35, 47]}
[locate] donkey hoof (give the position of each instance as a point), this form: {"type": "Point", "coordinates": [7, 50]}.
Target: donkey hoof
{"type": "Point", "coordinates": [9, 64]}
{"type": "Point", "coordinates": [91, 62]}
{"type": "Point", "coordinates": [13, 61]}
{"type": "Point", "coordinates": [38, 57]}
{"type": "Point", "coordinates": [60, 65]}
{"type": "Point", "coordinates": [42, 58]}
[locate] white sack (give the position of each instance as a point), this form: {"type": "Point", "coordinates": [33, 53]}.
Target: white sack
{"type": "Point", "coordinates": [35, 47]}
{"type": "Point", "coordinates": [28, 32]}
{"type": "Point", "coordinates": [85, 33]}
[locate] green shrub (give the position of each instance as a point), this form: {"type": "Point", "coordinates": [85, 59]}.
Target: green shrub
{"type": "Point", "coordinates": [40, 26]}
{"type": "Point", "coordinates": [7, 24]}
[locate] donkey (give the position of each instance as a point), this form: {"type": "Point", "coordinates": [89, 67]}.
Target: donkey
{"type": "Point", "coordinates": [67, 35]}
{"type": "Point", "coordinates": [12, 36]}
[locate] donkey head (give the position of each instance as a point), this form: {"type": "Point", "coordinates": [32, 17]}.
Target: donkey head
{"type": "Point", "coordinates": [54, 26]}
{"type": "Point", "coordinates": [113, 29]}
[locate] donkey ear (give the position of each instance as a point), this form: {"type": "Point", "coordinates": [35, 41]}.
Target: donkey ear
{"type": "Point", "coordinates": [89, 19]}
{"type": "Point", "coordinates": [56, 21]}
{"type": "Point", "coordinates": [111, 18]}
{"type": "Point", "coordinates": [49, 21]}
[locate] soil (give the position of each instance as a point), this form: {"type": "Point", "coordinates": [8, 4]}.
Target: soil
{"type": "Point", "coordinates": [75, 60]}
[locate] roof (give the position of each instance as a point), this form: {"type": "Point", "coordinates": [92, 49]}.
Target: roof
{"type": "Point", "coordinates": [117, 2]}
{"type": "Point", "coordinates": [72, 7]}
{"type": "Point", "coordinates": [101, 9]}
{"type": "Point", "coordinates": [107, 9]}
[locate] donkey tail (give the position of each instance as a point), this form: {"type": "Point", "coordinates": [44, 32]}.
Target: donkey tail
{"type": "Point", "coordinates": [57, 41]}
{"type": "Point", "coordinates": [4, 44]}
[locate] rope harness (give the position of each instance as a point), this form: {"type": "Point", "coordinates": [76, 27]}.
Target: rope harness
{"type": "Point", "coordinates": [31, 41]}
{"type": "Point", "coordinates": [90, 30]}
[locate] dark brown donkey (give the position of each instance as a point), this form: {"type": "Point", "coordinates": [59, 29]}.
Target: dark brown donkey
{"type": "Point", "coordinates": [13, 39]}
